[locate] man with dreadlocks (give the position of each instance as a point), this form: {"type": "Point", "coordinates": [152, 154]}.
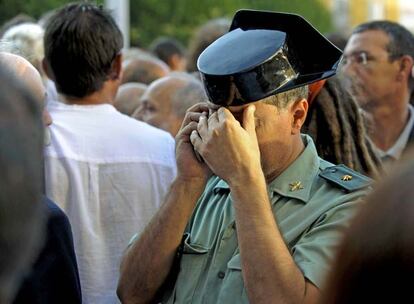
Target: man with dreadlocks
{"type": "Point", "coordinates": [337, 126]}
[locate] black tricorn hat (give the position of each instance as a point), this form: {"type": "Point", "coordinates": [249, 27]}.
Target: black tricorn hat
{"type": "Point", "coordinates": [263, 54]}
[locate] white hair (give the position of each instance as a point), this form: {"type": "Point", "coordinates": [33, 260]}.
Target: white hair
{"type": "Point", "coordinates": [27, 39]}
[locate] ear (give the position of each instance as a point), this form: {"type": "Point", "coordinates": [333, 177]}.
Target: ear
{"type": "Point", "coordinates": [406, 68]}
{"type": "Point", "coordinates": [116, 69]}
{"type": "Point", "coordinates": [47, 69]}
{"type": "Point", "coordinates": [299, 110]}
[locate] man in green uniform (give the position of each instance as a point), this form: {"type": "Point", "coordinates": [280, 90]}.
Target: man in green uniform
{"type": "Point", "coordinates": [261, 214]}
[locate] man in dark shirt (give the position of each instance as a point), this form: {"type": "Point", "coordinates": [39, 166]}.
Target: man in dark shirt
{"type": "Point", "coordinates": [54, 277]}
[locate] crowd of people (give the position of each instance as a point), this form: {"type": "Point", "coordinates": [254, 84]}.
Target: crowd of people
{"type": "Point", "coordinates": [260, 165]}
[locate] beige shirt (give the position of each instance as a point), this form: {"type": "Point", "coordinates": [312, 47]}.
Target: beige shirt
{"type": "Point", "coordinates": [311, 219]}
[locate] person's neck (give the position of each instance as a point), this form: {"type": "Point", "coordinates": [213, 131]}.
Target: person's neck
{"type": "Point", "coordinates": [297, 148]}
{"type": "Point", "coordinates": [105, 95]}
{"type": "Point", "coordinates": [389, 120]}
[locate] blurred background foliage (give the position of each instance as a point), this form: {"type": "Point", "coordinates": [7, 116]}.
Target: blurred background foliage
{"type": "Point", "coordinates": [178, 18]}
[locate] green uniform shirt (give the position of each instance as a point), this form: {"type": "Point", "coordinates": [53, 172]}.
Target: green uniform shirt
{"type": "Point", "coordinates": [310, 211]}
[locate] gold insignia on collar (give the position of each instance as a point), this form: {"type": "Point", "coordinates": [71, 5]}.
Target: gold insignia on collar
{"type": "Point", "coordinates": [295, 186]}
{"type": "Point", "coordinates": [346, 178]}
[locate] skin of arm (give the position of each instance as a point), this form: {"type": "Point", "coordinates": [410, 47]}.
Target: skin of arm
{"type": "Point", "coordinates": [269, 271]}
{"type": "Point", "coordinates": [148, 261]}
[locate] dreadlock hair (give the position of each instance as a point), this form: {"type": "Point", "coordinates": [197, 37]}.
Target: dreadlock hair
{"type": "Point", "coordinates": [338, 129]}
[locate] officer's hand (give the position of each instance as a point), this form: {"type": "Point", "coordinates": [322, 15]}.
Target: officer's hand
{"type": "Point", "coordinates": [189, 165]}
{"type": "Point", "coordinates": [229, 149]}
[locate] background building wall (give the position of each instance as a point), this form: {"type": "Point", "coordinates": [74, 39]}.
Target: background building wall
{"type": "Point", "coordinates": [346, 14]}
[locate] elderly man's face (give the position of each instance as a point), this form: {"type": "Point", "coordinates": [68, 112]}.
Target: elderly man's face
{"type": "Point", "coordinates": [371, 75]}
{"type": "Point", "coordinates": [156, 109]}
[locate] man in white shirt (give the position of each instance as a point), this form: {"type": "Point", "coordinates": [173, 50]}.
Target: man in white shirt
{"type": "Point", "coordinates": [107, 171]}
{"type": "Point", "coordinates": [378, 61]}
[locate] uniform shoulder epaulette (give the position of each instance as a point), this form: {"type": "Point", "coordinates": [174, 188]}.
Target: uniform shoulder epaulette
{"type": "Point", "coordinates": [345, 178]}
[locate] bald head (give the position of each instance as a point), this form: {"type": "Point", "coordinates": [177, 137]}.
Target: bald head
{"type": "Point", "coordinates": [26, 72]}
{"type": "Point", "coordinates": [128, 97]}
{"type": "Point", "coordinates": [166, 100]}
{"type": "Point", "coordinates": [144, 69]}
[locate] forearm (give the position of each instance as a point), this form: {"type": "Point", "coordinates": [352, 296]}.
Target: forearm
{"type": "Point", "coordinates": [148, 261]}
{"type": "Point", "coordinates": [270, 274]}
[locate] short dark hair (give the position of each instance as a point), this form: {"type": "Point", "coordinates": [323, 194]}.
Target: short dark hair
{"type": "Point", "coordinates": [165, 47]}
{"type": "Point", "coordinates": [401, 39]}
{"type": "Point", "coordinates": [81, 42]}
{"type": "Point", "coordinates": [21, 180]}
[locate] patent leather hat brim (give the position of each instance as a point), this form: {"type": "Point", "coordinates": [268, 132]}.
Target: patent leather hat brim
{"type": "Point", "coordinates": [265, 53]}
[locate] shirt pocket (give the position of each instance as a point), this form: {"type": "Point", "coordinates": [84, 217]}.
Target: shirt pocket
{"type": "Point", "coordinates": [233, 290]}
{"type": "Point", "coordinates": [193, 261]}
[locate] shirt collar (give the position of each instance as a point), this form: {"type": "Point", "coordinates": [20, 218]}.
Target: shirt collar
{"type": "Point", "coordinates": [301, 173]}
{"type": "Point", "coordinates": [104, 107]}
{"type": "Point", "coordinates": [398, 148]}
